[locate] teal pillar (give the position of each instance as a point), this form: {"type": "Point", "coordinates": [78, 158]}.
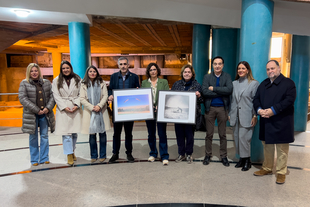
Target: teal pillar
{"type": "Point", "coordinates": [79, 41]}
{"type": "Point", "coordinates": [225, 44]}
{"type": "Point", "coordinates": [300, 66]}
{"type": "Point", "coordinates": [200, 51]}
{"type": "Point", "coordinates": [255, 38]}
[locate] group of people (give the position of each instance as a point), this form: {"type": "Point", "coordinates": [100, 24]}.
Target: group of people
{"type": "Point", "coordinates": [240, 102]}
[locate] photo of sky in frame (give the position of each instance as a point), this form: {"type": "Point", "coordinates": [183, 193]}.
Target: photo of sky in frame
{"type": "Point", "coordinates": [133, 100]}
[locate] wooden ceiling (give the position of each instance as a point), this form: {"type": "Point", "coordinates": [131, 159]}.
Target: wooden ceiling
{"type": "Point", "coordinates": [107, 35]}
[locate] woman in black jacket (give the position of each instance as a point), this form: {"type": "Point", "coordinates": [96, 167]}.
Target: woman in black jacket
{"type": "Point", "coordinates": [185, 131]}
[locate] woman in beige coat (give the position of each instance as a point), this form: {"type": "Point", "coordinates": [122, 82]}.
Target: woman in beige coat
{"type": "Point", "coordinates": [93, 96]}
{"type": "Point", "coordinates": [66, 91]}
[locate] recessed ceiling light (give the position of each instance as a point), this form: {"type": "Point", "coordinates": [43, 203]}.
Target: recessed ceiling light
{"type": "Point", "coordinates": [21, 12]}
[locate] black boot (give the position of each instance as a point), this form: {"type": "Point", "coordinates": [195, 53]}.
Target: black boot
{"type": "Point", "coordinates": [247, 164]}
{"type": "Point", "coordinates": [240, 163]}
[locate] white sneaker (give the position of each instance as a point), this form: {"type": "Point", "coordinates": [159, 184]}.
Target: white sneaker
{"type": "Point", "coordinates": [151, 159]}
{"type": "Point", "coordinates": [165, 162]}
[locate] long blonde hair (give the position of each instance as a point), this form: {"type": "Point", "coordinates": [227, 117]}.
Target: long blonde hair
{"type": "Point", "coordinates": [30, 66]}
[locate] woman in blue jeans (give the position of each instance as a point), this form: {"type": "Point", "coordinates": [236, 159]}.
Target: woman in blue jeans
{"type": "Point", "coordinates": [156, 84]}
{"type": "Point", "coordinates": [185, 132]}
{"type": "Point", "coordinates": [35, 94]}
{"type": "Point", "coordinates": [94, 96]}
{"type": "Point", "coordinates": [66, 92]}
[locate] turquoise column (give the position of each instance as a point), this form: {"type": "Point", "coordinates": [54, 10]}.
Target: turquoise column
{"type": "Point", "coordinates": [300, 66]}
{"type": "Point", "coordinates": [255, 38]}
{"type": "Point", "coordinates": [225, 44]}
{"type": "Point", "coordinates": [79, 41]}
{"type": "Point", "coordinates": [200, 51]}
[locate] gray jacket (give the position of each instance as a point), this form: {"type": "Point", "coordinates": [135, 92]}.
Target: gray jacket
{"type": "Point", "coordinates": [27, 97]}
{"type": "Point", "coordinates": [242, 104]}
{"type": "Point", "coordinates": [224, 90]}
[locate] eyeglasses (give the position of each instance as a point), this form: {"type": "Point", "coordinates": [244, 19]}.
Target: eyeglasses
{"type": "Point", "coordinates": [219, 64]}
{"type": "Point", "coordinates": [122, 64]}
{"type": "Point", "coordinates": [153, 70]}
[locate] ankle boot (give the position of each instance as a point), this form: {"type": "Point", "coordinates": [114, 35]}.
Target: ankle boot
{"type": "Point", "coordinates": [240, 163]}
{"type": "Point", "coordinates": [74, 157]}
{"type": "Point", "coordinates": [70, 159]}
{"type": "Point", "coordinates": [247, 164]}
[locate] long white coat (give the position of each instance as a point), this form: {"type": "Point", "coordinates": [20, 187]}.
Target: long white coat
{"type": "Point", "coordinates": [88, 107]}
{"type": "Point", "coordinates": [67, 123]}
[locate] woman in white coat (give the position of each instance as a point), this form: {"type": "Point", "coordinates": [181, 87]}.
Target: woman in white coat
{"type": "Point", "coordinates": [93, 96]}
{"type": "Point", "coordinates": [242, 114]}
{"type": "Point", "coordinates": [66, 91]}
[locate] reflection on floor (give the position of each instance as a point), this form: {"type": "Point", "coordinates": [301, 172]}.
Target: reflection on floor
{"type": "Point", "coordinates": [142, 183]}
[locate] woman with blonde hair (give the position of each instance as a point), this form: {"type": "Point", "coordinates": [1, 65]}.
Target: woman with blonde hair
{"type": "Point", "coordinates": [35, 94]}
{"type": "Point", "coordinates": [66, 91]}
{"type": "Point", "coordinates": [94, 96]}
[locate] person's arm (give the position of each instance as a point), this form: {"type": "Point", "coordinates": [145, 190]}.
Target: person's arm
{"type": "Point", "coordinates": [51, 102]}
{"type": "Point", "coordinates": [225, 90]}
{"type": "Point", "coordinates": [256, 101]}
{"type": "Point", "coordinates": [24, 100]}
{"type": "Point", "coordinates": [104, 99]}
{"type": "Point", "coordinates": [137, 83]}
{"type": "Point", "coordinates": [205, 88]}
{"type": "Point", "coordinates": [288, 100]}
{"type": "Point", "coordinates": [57, 97]}
{"type": "Point", "coordinates": [84, 101]}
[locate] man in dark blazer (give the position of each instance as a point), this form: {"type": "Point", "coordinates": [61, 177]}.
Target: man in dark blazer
{"type": "Point", "coordinates": [216, 90]}
{"type": "Point", "coordinates": [119, 80]}
{"type": "Point", "coordinates": [274, 102]}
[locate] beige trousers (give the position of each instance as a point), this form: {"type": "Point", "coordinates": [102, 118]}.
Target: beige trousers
{"type": "Point", "coordinates": [282, 155]}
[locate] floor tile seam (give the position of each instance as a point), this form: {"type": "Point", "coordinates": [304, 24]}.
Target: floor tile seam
{"type": "Point", "coordinates": [123, 140]}
{"type": "Point", "coordinates": [121, 161]}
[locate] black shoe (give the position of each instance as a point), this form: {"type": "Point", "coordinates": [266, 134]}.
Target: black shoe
{"type": "Point", "coordinates": [225, 162]}
{"type": "Point", "coordinates": [130, 158]}
{"type": "Point", "coordinates": [206, 161]}
{"type": "Point", "coordinates": [240, 163]}
{"type": "Point", "coordinates": [180, 158]}
{"type": "Point", "coordinates": [247, 164]}
{"type": "Point", "coordinates": [113, 158]}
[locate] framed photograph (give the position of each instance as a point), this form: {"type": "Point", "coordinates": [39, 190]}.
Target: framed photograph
{"type": "Point", "coordinates": [132, 104]}
{"type": "Point", "coordinates": [177, 107]}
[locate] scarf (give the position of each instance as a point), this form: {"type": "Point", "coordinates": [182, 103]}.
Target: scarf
{"type": "Point", "coordinates": [96, 119]}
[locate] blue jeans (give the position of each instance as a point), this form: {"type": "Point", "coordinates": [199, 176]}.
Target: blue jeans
{"type": "Point", "coordinates": [41, 122]}
{"type": "Point", "coordinates": [93, 145]}
{"type": "Point", "coordinates": [185, 131]}
{"type": "Point", "coordinates": [68, 143]}
{"type": "Point", "coordinates": [163, 146]}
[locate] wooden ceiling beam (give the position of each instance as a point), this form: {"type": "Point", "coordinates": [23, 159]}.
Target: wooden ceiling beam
{"type": "Point", "coordinates": [131, 33]}
{"type": "Point", "coordinates": [106, 40]}
{"type": "Point", "coordinates": [101, 28]}
{"type": "Point", "coordinates": [175, 34]}
{"type": "Point", "coordinates": [152, 32]}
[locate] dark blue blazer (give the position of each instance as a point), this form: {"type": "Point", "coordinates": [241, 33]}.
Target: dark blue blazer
{"type": "Point", "coordinates": [114, 84]}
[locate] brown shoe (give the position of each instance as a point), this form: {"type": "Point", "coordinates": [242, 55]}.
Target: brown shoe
{"type": "Point", "coordinates": [101, 160]}
{"type": "Point", "coordinates": [70, 159]}
{"type": "Point", "coordinates": [93, 160]}
{"type": "Point", "coordinates": [262, 172]}
{"type": "Point", "coordinates": [74, 157]}
{"type": "Point", "coordinates": [280, 179]}
{"type": "Point", "coordinates": [35, 164]}
{"type": "Point", "coordinates": [47, 162]}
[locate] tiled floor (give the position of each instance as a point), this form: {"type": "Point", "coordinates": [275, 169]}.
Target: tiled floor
{"type": "Point", "coordinates": [141, 183]}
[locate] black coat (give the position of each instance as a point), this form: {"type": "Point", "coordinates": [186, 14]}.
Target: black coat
{"type": "Point", "coordinates": [281, 95]}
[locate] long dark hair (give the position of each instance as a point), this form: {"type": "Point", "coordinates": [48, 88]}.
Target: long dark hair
{"type": "Point", "coordinates": [86, 79]}
{"type": "Point", "coordinates": [72, 74]}
{"type": "Point", "coordinates": [248, 67]}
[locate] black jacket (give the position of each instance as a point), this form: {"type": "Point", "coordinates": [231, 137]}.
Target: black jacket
{"type": "Point", "coordinates": [280, 95]}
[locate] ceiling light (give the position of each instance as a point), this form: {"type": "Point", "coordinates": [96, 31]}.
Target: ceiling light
{"type": "Point", "coordinates": [21, 12]}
